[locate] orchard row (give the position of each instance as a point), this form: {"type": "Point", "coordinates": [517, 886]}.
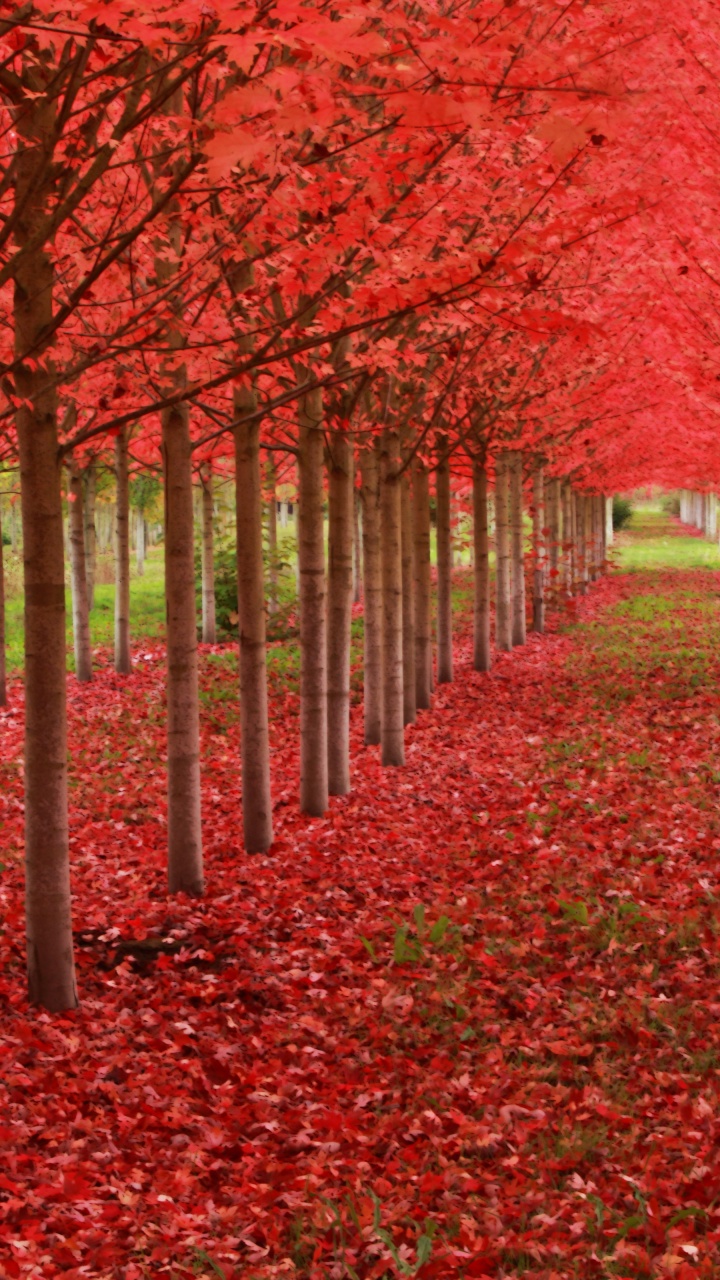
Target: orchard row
{"type": "Point", "coordinates": [416, 237]}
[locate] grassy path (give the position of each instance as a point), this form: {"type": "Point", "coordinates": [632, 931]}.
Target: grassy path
{"type": "Point", "coordinates": [466, 1025]}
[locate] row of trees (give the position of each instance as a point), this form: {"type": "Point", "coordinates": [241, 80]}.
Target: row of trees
{"type": "Point", "coordinates": [410, 238]}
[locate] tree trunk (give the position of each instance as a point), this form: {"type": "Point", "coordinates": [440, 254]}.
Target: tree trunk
{"type": "Point", "coordinates": [408, 601]}
{"type": "Point", "coordinates": [90, 497]}
{"type": "Point", "coordinates": [3, 670]}
{"type": "Point", "coordinates": [254, 728]}
{"type": "Point", "coordinates": [393, 731]}
{"type": "Point", "coordinates": [185, 858]}
{"type": "Point", "coordinates": [423, 623]}
{"type": "Point", "coordinates": [207, 557]}
{"type": "Point", "coordinates": [517, 549]}
{"type": "Point", "coordinates": [140, 543]}
{"type": "Point", "coordinates": [373, 595]}
{"type": "Point", "coordinates": [357, 548]}
{"type": "Point", "coordinates": [590, 556]}
{"type": "Point", "coordinates": [123, 660]}
{"type": "Point", "coordinates": [313, 605]}
{"type": "Point", "coordinates": [340, 573]}
{"type": "Point", "coordinates": [503, 578]}
{"type": "Point", "coordinates": [272, 539]}
{"type": "Point", "coordinates": [538, 550]}
{"type": "Point", "coordinates": [568, 539]}
{"type": "Point", "coordinates": [482, 657]}
{"type": "Point", "coordinates": [609, 530]}
{"type": "Point", "coordinates": [554, 538]}
{"type": "Point", "coordinates": [51, 971]}
{"type": "Point", "coordinates": [81, 616]}
{"type": "Point", "coordinates": [581, 543]}
{"type": "Point", "coordinates": [444, 569]}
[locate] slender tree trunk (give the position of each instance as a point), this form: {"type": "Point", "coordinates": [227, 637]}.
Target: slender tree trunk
{"type": "Point", "coordinates": [554, 538]}
{"type": "Point", "coordinates": [408, 588]}
{"type": "Point", "coordinates": [90, 535]}
{"type": "Point", "coordinates": [340, 571]}
{"type": "Point", "coordinates": [538, 550]}
{"type": "Point", "coordinates": [373, 595]}
{"type": "Point", "coordinates": [589, 540]}
{"type": "Point", "coordinates": [81, 616]}
{"type": "Point", "coordinates": [482, 657]}
{"type": "Point", "coordinates": [421, 559]}
{"type": "Point", "coordinates": [517, 549]}
{"type": "Point", "coordinates": [444, 569]}
{"type": "Point", "coordinates": [357, 547]}
{"type": "Point", "coordinates": [185, 857]}
{"type": "Point", "coordinates": [568, 540]}
{"type": "Point", "coordinates": [254, 727]}
{"type": "Point", "coordinates": [140, 543]}
{"type": "Point", "coordinates": [51, 972]}
{"type": "Point", "coordinates": [393, 732]}
{"type": "Point", "coordinates": [580, 543]}
{"type": "Point", "coordinates": [3, 671]}
{"type": "Point", "coordinates": [123, 660]}
{"type": "Point", "coordinates": [313, 608]}
{"type": "Point", "coordinates": [15, 523]}
{"type": "Point", "coordinates": [609, 530]}
{"type": "Point", "coordinates": [272, 539]}
{"type": "Point", "coordinates": [503, 570]}
{"type": "Point", "coordinates": [207, 557]}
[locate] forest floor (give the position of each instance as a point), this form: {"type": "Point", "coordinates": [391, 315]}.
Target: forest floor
{"type": "Point", "coordinates": [466, 1025]}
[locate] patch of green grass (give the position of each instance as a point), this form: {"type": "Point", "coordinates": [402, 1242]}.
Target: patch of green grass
{"type": "Point", "coordinates": [633, 555]}
{"type": "Point", "coordinates": [147, 612]}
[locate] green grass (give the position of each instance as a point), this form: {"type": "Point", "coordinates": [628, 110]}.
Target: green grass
{"type": "Point", "coordinates": [649, 542]}
{"type": "Point", "coordinates": [147, 610]}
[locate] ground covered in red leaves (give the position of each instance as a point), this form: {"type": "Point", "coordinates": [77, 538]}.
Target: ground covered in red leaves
{"type": "Point", "coordinates": [467, 1025]}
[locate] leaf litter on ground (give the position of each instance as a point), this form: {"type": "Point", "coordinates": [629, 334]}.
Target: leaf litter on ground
{"type": "Point", "coordinates": [465, 1025]}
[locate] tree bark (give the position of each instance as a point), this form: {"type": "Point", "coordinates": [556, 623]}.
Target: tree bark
{"type": "Point", "coordinates": [568, 539]}
{"type": "Point", "coordinates": [140, 542]}
{"type": "Point", "coordinates": [51, 971]}
{"type": "Point", "coordinates": [373, 595]}
{"type": "Point", "coordinates": [444, 569]}
{"type": "Point", "coordinates": [609, 530]}
{"type": "Point", "coordinates": [340, 584]}
{"type": "Point", "coordinates": [591, 552]}
{"type": "Point", "coordinates": [581, 543]}
{"type": "Point", "coordinates": [423, 623]}
{"type": "Point", "coordinates": [81, 616]}
{"type": "Point", "coordinates": [207, 557]}
{"type": "Point", "coordinates": [123, 660]}
{"type": "Point", "coordinates": [554, 537]}
{"type": "Point", "coordinates": [357, 547]}
{"type": "Point", "coordinates": [393, 731]}
{"type": "Point", "coordinates": [503, 571]}
{"type": "Point", "coordinates": [313, 606]}
{"type": "Point", "coordinates": [517, 549]}
{"type": "Point", "coordinates": [408, 601]}
{"type": "Point", "coordinates": [482, 657]}
{"type": "Point", "coordinates": [185, 857]}
{"type": "Point", "coordinates": [272, 539]}
{"type": "Point", "coordinates": [90, 497]}
{"type": "Point", "coordinates": [538, 550]}
{"type": "Point", "coordinates": [254, 727]}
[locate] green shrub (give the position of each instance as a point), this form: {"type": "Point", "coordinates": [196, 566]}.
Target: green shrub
{"type": "Point", "coordinates": [281, 624]}
{"type": "Point", "coordinates": [622, 512]}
